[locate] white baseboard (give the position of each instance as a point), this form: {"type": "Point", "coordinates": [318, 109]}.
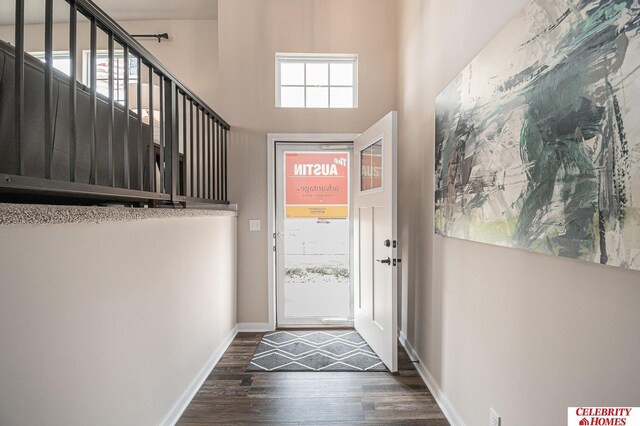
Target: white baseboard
{"type": "Point", "coordinates": [254, 327]}
{"type": "Point", "coordinates": [183, 402]}
{"type": "Point", "coordinates": [442, 400]}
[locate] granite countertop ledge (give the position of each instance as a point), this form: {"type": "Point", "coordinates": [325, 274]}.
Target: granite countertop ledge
{"type": "Point", "coordinates": [41, 214]}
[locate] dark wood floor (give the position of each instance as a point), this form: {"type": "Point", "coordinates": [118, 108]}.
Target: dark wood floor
{"type": "Point", "coordinates": [230, 396]}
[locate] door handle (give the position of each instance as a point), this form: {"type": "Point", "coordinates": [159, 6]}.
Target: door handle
{"type": "Point", "coordinates": [387, 261]}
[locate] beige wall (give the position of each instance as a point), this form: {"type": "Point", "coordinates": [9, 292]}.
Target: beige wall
{"type": "Point", "coordinates": [109, 323]}
{"type": "Point", "coordinates": [524, 333]}
{"type": "Point", "coordinates": [191, 54]}
{"type": "Point", "coordinates": [250, 33]}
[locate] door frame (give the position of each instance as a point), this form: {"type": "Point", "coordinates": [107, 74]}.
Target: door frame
{"type": "Point", "coordinates": [272, 139]}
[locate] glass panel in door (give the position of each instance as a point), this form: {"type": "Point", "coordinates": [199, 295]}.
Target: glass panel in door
{"type": "Point", "coordinates": [314, 236]}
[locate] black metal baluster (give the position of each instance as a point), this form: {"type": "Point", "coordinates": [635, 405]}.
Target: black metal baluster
{"type": "Point", "coordinates": [171, 139]}
{"type": "Point", "coordinates": [198, 159]}
{"type": "Point", "coordinates": [192, 169]}
{"type": "Point", "coordinates": [73, 95]}
{"type": "Point", "coordinates": [140, 139]}
{"type": "Point", "coordinates": [220, 171]}
{"type": "Point", "coordinates": [111, 124]}
{"type": "Point", "coordinates": [93, 114]}
{"type": "Point", "coordinates": [126, 171]}
{"type": "Point", "coordinates": [48, 88]}
{"type": "Point", "coordinates": [216, 141]}
{"type": "Point", "coordinates": [151, 159]}
{"type": "Point", "coordinates": [219, 174]}
{"type": "Point", "coordinates": [224, 167]}
{"type": "Point", "coordinates": [203, 155]}
{"type": "Point", "coordinates": [19, 88]}
{"type": "Point", "coordinates": [184, 144]}
{"type": "Point", "coordinates": [209, 155]}
{"type": "Point", "coordinates": [212, 159]}
{"type": "Point", "coordinates": [217, 171]}
{"type": "Point", "coordinates": [161, 184]}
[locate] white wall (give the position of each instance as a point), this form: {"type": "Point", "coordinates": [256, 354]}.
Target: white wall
{"type": "Point", "coordinates": [109, 323]}
{"type": "Point", "coordinates": [250, 33]}
{"type": "Point", "coordinates": [524, 333]}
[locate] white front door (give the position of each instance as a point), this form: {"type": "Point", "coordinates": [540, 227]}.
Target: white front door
{"type": "Point", "coordinates": [375, 245]}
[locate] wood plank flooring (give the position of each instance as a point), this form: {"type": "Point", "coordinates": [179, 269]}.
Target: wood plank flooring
{"type": "Point", "coordinates": [230, 396]}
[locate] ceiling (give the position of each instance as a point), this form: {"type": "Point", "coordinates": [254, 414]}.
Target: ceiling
{"type": "Point", "coordinates": [120, 10]}
{"type": "Point", "coordinates": [129, 10]}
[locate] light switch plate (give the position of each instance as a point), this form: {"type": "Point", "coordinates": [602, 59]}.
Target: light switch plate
{"type": "Point", "coordinates": [254, 225]}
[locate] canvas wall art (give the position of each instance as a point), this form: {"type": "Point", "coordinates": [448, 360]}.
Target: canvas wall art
{"type": "Point", "coordinates": [538, 138]}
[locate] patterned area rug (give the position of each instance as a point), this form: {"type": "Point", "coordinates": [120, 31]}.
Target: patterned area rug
{"type": "Point", "coordinates": [342, 350]}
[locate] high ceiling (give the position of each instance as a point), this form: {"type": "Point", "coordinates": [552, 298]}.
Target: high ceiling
{"type": "Point", "coordinates": [120, 10]}
{"type": "Point", "coordinates": [128, 10]}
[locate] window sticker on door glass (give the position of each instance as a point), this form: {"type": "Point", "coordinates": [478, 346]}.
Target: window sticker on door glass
{"type": "Point", "coordinates": [371, 167]}
{"type": "Point", "coordinates": [317, 185]}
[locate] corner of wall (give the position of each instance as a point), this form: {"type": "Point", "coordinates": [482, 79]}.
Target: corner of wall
{"type": "Point", "coordinates": [182, 403]}
{"type": "Point", "coordinates": [441, 399]}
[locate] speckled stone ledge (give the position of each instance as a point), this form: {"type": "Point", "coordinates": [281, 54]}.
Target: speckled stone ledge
{"type": "Point", "coordinates": [35, 214]}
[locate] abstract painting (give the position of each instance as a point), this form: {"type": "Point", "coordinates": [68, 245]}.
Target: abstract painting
{"type": "Point", "coordinates": [538, 138]}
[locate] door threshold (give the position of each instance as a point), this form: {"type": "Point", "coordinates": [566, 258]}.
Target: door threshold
{"type": "Point", "coordinates": [284, 327]}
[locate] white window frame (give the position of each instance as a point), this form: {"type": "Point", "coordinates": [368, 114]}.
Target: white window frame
{"type": "Point", "coordinates": [56, 54]}
{"type": "Point", "coordinates": [305, 58]}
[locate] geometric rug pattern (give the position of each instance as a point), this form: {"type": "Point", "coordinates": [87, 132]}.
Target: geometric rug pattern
{"type": "Point", "coordinates": [332, 350]}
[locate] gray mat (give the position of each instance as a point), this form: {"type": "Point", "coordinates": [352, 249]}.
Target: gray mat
{"type": "Point", "coordinates": [342, 350]}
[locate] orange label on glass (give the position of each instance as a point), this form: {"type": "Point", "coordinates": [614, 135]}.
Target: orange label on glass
{"type": "Point", "coordinates": [317, 185]}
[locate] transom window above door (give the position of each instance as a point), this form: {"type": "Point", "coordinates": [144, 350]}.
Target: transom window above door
{"type": "Point", "coordinates": [316, 81]}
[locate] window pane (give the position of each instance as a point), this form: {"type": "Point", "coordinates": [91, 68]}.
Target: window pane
{"type": "Point", "coordinates": [317, 74]}
{"type": "Point", "coordinates": [376, 165]}
{"type": "Point", "coordinates": [317, 97]}
{"type": "Point", "coordinates": [342, 74]}
{"type": "Point", "coordinates": [371, 167]}
{"type": "Point", "coordinates": [341, 97]}
{"type": "Point", "coordinates": [325, 81]}
{"type": "Point", "coordinates": [292, 97]}
{"type": "Point", "coordinates": [365, 169]}
{"type": "Point", "coordinates": [103, 87]}
{"type": "Point", "coordinates": [61, 60]}
{"type": "Point", "coordinates": [291, 74]}
{"type": "Point", "coordinates": [62, 64]}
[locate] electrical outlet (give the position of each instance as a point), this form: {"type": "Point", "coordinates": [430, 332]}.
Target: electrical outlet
{"type": "Point", "coordinates": [494, 418]}
{"type": "Point", "coordinates": [254, 225]}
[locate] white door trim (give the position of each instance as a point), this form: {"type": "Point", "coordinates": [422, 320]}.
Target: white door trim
{"type": "Point", "coordinates": [272, 138]}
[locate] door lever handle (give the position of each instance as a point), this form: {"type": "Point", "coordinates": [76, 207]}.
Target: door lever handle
{"type": "Point", "coordinates": [387, 261]}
